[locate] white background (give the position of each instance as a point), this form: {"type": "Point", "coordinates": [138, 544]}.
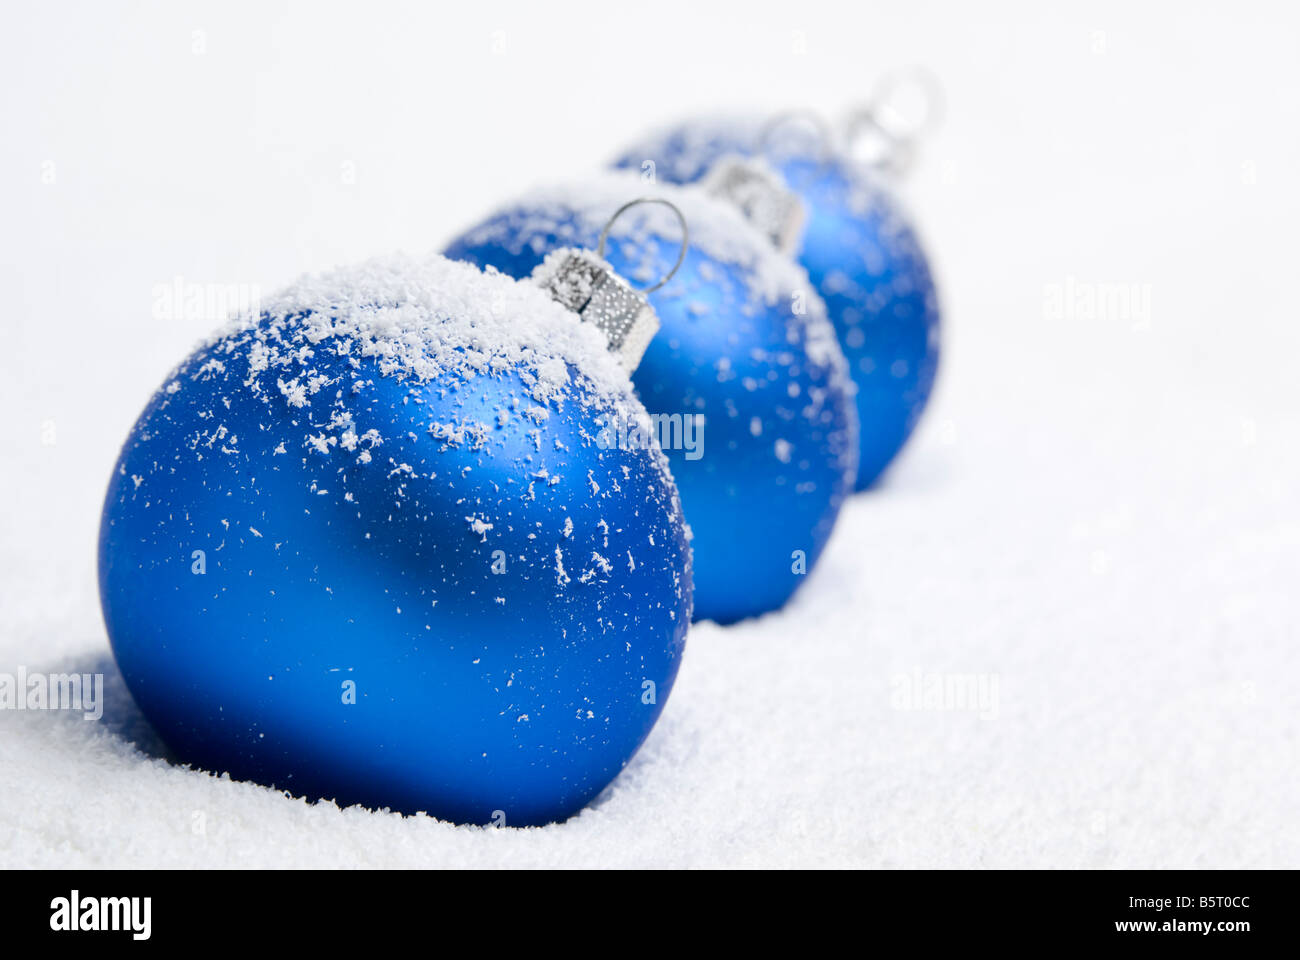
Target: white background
{"type": "Point", "coordinates": [1098, 513]}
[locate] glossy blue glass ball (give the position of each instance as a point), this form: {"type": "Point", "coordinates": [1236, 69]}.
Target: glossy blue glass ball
{"type": "Point", "coordinates": [861, 254]}
{"type": "Point", "coordinates": [367, 547]}
{"type": "Point", "coordinates": [745, 347]}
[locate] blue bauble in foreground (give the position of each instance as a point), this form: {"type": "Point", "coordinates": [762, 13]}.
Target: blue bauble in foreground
{"type": "Point", "coordinates": [753, 402]}
{"type": "Point", "coordinates": [862, 256]}
{"type": "Point", "coordinates": [366, 546]}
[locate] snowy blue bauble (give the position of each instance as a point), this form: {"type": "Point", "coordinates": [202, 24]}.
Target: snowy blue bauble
{"type": "Point", "coordinates": [862, 256]}
{"type": "Point", "coordinates": [745, 383]}
{"type": "Point", "coordinates": [366, 546]}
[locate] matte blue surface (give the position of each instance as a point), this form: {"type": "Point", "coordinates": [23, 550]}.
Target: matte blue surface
{"type": "Point", "coordinates": [865, 261]}
{"type": "Point", "coordinates": [779, 440]}
{"type": "Point", "coordinates": [476, 692]}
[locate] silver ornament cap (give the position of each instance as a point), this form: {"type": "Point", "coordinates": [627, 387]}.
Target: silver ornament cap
{"type": "Point", "coordinates": [760, 194]}
{"type": "Point", "coordinates": [586, 284]}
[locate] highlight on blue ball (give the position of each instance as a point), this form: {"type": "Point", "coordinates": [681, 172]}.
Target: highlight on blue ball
{"type": "Point", "coordinates": [366, 546]}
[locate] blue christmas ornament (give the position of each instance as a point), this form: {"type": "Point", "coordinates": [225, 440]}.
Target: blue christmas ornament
{"type": "Point", "coordinates": [745, 384]}
{"type": "Point", "coordinates": [367, 546]}
{"type": "Point", "coordinates": [858, 248]}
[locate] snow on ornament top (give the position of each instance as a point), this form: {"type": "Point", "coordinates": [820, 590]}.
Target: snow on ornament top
{"type": "Point", "coordinates": [695, 145]}
{"type": "Point", "coordinates": [694, 151]}
{"type": "Point", "coordinates": [573, 213]}
{"type": "Point", "coordinates": [426, 322]}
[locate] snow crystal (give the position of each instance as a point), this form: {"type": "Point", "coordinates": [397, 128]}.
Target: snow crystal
{"type": "Point", "coordinates": [479, 526]}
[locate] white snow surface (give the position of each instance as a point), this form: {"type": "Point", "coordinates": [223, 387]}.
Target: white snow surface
{"type": "Point", "coordinates": [1097, 516]}
{"type": "Point", "coordinates": [1126, 584]}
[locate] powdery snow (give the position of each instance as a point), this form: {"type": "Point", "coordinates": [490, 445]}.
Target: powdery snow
{"type": "Point", "coordinates": [701, 144]}
{"type": "Point", "coordinates": [716, 228]}
{"type": "Point", "coordinates": [1098, 510]}
{"type": "Point", "coordinates": [429, 320]}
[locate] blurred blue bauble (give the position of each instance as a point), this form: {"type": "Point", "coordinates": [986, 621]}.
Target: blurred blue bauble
{"type": "Point", "coordinates": [365, 547]}
{"type": "Point", "coordinates": [745, 347]}
{"type": "Point", "coordinates": [861, 255]}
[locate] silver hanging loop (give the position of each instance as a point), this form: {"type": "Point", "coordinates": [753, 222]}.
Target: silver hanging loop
{"type": "Point", "coordinates": [681, 218]}
{"type": "Point", "coordinates": [892, 154]}
{"type": "Point", "coordinates": [763, 141]}
{"type": "Point", "coordinates": [885, 102]}
{"type": "Point", "coordinates": [585, 283]}
{"type": "Point", "coordinates": [883, 118]}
